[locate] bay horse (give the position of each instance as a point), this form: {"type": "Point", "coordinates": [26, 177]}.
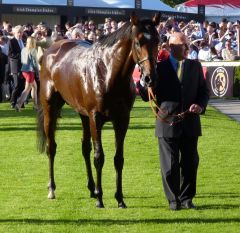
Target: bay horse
{"type": "Point", "coordinates": [97, 83]}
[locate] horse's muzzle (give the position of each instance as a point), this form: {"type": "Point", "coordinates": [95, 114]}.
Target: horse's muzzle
{"type": "Point", "coordinates": [149, 79]}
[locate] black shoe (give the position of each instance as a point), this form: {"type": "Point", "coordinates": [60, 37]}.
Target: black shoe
{"type": "Point", "coordinates": [188, 205]}
{"type": "Point", "coordinates": [174, 206]}
{"type": "Point", "coordinates": [12, 105]}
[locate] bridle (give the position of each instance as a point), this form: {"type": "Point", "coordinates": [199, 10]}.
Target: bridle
{"type": "Point", "coordinates": [139, 62]}
{"type": "Point", "coordinates": [176, 118]}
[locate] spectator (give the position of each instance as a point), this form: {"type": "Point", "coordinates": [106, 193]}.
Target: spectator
{"type": "Point", "coordinates": [15, 47]}
{"type": "Point", "coordinates": [193, 52]}
{"type": "Point", "coordinates": [214, 55]}
{"type": "Point", "coordinates": [68, 26]}
{"type": "Point", "coordinates": [77, 34]}
{"type": "Point", "coordinates": [107, 29]}
{"type": "Point", "coordinates": [163, 53]}
{"type": "Point", "coordinates": [91, 26]}
{"type": "Point", "coordinates": [209, 30]}
{"type": "Point", "coordinates": [222, 27]}
{"type": "Point", "coordinates": [99, 33]}
{"type": "Point", "coordinates": [3, 43]}
{"type": "Point", "coordinates": [7, 29]}
{"type": "Point", "coordinates": [114, 25]}
{"type": "Point", "coordinates": [204, 52]}
{"type": "Point", "coordinates": [58, 32]}
{"type": "Point", "coordinates": [29, 71]}
{"type": "Point", "coordinates": [228, 53]}
{"type": "Point", "coordinates": [91, 37]}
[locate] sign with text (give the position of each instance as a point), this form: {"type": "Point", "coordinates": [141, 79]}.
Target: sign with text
{"type": "Point", "coordinates": [36, 2]}
{"type": "Point", "coordinates": [70, 2]}
{"type": "Point", "coordinates": [138, 4]}
{"type": "Point", "coordinates": [38, 10]}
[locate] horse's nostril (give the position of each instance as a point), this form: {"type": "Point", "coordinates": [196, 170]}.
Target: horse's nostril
{"type": "Point", "coordinates": [147, 80]}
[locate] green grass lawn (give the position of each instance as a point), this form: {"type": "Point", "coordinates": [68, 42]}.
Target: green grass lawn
{"type": "Point", "coordinates": [24, 206]}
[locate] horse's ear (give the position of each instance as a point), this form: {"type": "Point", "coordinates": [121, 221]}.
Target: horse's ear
{"type": "Point", "coordinates": [134, 18]}
{"type": "Point", "coordinates": [156, 18]}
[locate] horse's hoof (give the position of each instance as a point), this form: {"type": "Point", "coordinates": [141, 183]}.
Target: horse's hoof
{"type": "Point", "coordinates": [122, 205]}
{"type": "Point", "coordinates": [51, 195]}
{"type": "Point", "coordinates": [99, 204]}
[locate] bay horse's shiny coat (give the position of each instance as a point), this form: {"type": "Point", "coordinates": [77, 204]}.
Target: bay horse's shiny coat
{"type": "Point", "coordinates": [97, 83]}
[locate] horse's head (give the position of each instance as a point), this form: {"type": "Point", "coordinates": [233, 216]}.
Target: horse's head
{"type": "Point", "coordinates": [145, 46]}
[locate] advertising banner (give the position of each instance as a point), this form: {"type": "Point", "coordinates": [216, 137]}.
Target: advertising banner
{"type": "Point", "coordinates": [36, 2]}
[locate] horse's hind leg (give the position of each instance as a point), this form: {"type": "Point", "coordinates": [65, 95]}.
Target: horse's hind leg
{"type": "Point", "coordinates": [120, 128]}
{"type": "Point", "coordinates": [96, 123]}
{"type": "Point", "coordinates": [51, 111]}
{"type": "Point", "coordinates": [86, 150]}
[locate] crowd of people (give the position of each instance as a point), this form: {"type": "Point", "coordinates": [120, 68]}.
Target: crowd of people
{"type": "Point", "coordinates": [209, 41]}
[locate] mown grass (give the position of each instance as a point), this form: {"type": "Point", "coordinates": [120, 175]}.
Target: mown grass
{"type": "Point", "coordinates": [24, 206]}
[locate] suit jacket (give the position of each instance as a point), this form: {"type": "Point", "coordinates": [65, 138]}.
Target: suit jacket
{"type": "Point", "coordinates": [175, 97]}
{"type": "Point", "coordinates": [14, 56]}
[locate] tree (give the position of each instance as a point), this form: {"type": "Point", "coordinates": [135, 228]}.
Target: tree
{"type": "Point", "coordinates": [173, 3]}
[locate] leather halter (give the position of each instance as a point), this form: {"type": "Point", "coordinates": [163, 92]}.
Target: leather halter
{"type": "Point", "coordinates": [139, 62]}
{"type": "Point", "coordinates": [179, 117]}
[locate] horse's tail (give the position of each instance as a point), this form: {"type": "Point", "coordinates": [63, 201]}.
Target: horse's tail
{"type": "Point", "coordinates": [41, 136]}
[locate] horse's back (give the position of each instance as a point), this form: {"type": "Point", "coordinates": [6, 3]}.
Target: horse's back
{"type": "Point", "coordinates": [56, 53]}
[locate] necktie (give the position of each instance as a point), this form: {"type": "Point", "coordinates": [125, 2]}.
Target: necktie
{"type": "Point", "coordinates": [179, 70]}
{"type": "Point", "coordinates": [21, 45]}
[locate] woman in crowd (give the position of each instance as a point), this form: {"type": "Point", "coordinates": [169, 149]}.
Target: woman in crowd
{"type": "Point", "coordinates": [29, 71]}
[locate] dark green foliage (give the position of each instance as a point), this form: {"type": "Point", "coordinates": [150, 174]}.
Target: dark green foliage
{"type": "Point", "coordinates": [236, 83]}
{"type": "Point", "coordinates": [173, 3]}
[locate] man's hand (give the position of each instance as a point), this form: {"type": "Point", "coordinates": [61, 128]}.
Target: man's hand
{"type": "Point", "coordinates": [195, 108]}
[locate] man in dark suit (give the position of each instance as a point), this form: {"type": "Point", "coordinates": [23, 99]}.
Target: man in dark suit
{"type": "Point", "coordinates": [14, 55]}
{"type": "Point", "coordinates": [179, 90]}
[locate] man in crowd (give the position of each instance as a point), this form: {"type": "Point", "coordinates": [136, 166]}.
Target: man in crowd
{"type": "Point", "coordinates": [15, 47]}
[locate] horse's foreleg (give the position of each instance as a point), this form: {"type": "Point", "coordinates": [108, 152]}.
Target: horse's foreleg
{"type": "Point", "coordinates": [96, 124]}
{"type": "Point", "coordinates": [86, 150]}
{"type": "Point", "coordinates": [120, 128]}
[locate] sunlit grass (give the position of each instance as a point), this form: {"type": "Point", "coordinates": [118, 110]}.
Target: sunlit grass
{"type": "Point", "coordinates": [24, 206]}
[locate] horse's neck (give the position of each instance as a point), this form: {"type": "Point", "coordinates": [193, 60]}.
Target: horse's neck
{"type": "Point", "coordinates": [124, 62]}
{"type": "Point", "coordinates": [121, 59]}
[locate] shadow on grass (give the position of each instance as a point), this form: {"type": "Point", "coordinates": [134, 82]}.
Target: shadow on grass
{"type": "Point", "coordinates": [218, 206]}
{"type": "Point", "coordinates": [67, 127]}
{"type": "Point", "coordinates": [121, 222]}
{"type": "Point", "coordinates": [219, 195]}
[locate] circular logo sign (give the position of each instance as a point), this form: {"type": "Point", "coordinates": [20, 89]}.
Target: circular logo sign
{"type": "Point", "coordinates": [220, 81]}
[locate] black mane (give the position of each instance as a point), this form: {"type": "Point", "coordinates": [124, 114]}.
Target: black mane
{"type": "Point", "coordinates": [122, 33]}
{"type": "Point", "coordinates": [125, 32]}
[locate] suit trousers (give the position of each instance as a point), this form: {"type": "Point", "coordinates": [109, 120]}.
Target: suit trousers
{"type": "Point", "coordinates": [179, 163]}
{"type": "Point", "coordinates": [17, 87]}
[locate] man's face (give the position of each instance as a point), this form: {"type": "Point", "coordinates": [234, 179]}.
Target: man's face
{"type": "Point", "coordinates": [18, 35]}
{"type": "Point", "coordinates": [210, 29]}
{"type": "Point", "coordinates": [228, 45]}
{"type": "Point", "coordinates": [179, 46]}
